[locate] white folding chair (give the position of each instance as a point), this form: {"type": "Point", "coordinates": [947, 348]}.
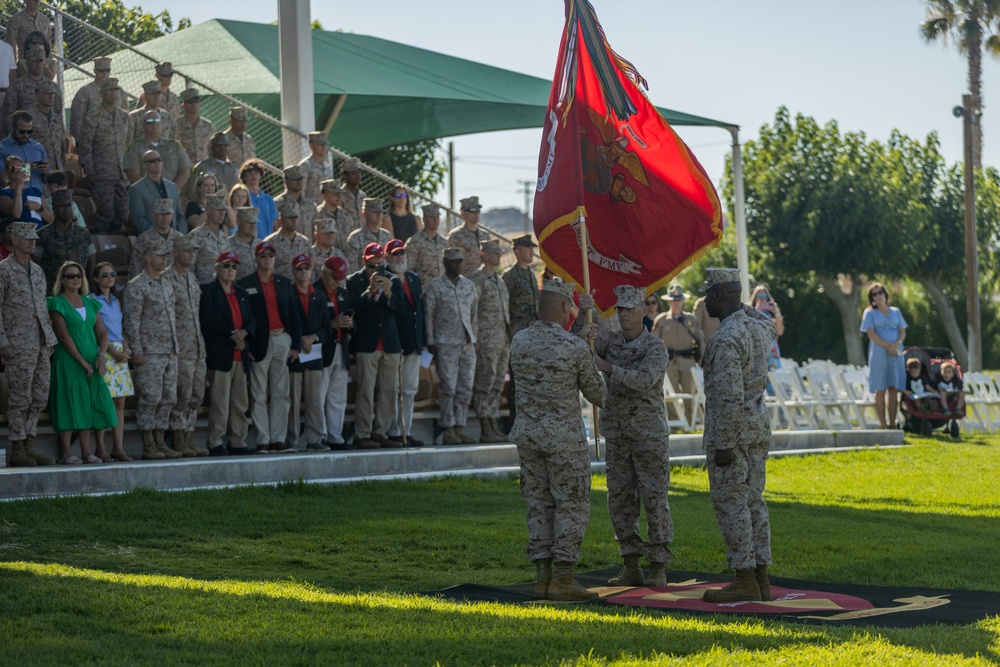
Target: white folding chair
{"type": "Point", "coordinates": [676, 399]}
{"type": "Point", "coordinates": [794, 405]}
{"type": "Point", "coordinates": [698, 409]}
{"type": "Point", "coordinates": [822, 389]}
{"type": "Point", "coordinates": [855, 383]}
{"type": "Point", "coordinates": [982, 400]}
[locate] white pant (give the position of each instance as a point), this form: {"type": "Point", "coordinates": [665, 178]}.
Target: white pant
{"type": "Point", "coordinates": [408, 388]}
{"type": "Point", "coordinates": [270, 418]}
{"type": "Point", "coordinates": [333, 393]}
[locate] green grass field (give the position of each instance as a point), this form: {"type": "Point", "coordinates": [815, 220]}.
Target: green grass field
{"type": "Point", "coordinates": [311, 575]}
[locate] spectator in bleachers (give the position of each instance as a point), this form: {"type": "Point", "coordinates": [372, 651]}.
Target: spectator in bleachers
{"type": "Point", "coordinates": [48, 126]}
{"type": "Point", "coordinates": [217, 163]}
{"type": "Point", "coordinates": [400, 220]}
{"type": "Point", "coordinates": [239, 195]}
{"type": "Point", "coordinates": [151, 96]}
{"type": "Point", "coordinates": [90, 97]}
{"type": "Point", "coordinates": [226, 322]}
{"type": "Point", "coordinates": [468, 236]}
{"type": "Point", "coordinates": [287, 242]}
{"type": "Point", "coordinates": [21, 93]}
{"type": "Point", "coordinates": [333, 385]}
{"type": "Point", "coordinates": [330, 209]}
{"type": "Point", "coordinates": [149, 323]}
{"type": "Point", "coordinates": [63, 240]}
{"type": "Point", "coordinates": [6, 243]}
{"type": "Point", "coordinates": [169, 99]}
{"type": "Point", "coordinates": [370, 232]}
{"type": "Point", "coordinates": [79, 399]}
{"type": "Point", "coordinates": [116, 373]}
{"type": "Point", "coordinates": [241, 145]}
{"type": "Point", "coordinates": [149, 189]}
{"type": "Point", "coordinates": [423, 249]}
{"type": "Point", "coordinates": [212, 237]}
{"type": "Point", "coordinates": [252, 173]}
{"type": "Point", "coordinates": [26, 341]}
{"type": "Point", "coordinates": [762, 300]}
{"type": "Point", "coordinates": [8, 69]}
{"type": "Point", "coordinates": [412, 339]}
{"type": "Point", "coordinates": [306, 377]}
{"type": "Point", "coordinates": [205, 184]}
{"type": "Point", "coordinates": [492, 344]}
{"type": "Point", "coordinates": [20, 143]}
{"type": "Point", "coordinates": [244, 241]}
{"type": "Point", "coordinates": [274, 342]}
{"type": "Point", "coordinates": [163, 214]}
{"type": "Point", "coordinates": [19, 200]}
{"type": "Point", "coordinates": [56, 181]}
{"type": "Point", "coordinates": [102, 145]}
{"type": "Point", "coordinates": [26, 21]}
{"type": "Point", "coordinates": [191, 357]}
{"type": "Point", "coordinates": [193, 131]}
{"type": "Point", "coordinates": [176, 164]}
{"type": "Point", "coordinates": [317, 167]}
{"type": "Point", "coordinates": [294, 180]}
{"type": "Point", "coordinates": [886, 330]}
{"type": "Point", "coordinates": [353, 197]}
{"type": "Point", "coordinates": [324, 243]}
{"type": "Point", "coordinates": [375, 297]}
{"type": "Point", "coordinates": [37, 39]}
{"type": "Point", "coordinates": [652, 303]}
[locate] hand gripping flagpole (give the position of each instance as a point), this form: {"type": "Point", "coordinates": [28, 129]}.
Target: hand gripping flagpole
{"type": "Point", "coordinates": [590, 319]}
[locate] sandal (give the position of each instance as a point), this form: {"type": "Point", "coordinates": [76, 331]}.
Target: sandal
{"type": "Point", "coordinates": [70, 461]}
{"type": "Point", "coordinates": [120, 455]}
{"type": "Point", "coordinates": [92, 459]}
{"type": "Point", "coordinates": [104, 456]}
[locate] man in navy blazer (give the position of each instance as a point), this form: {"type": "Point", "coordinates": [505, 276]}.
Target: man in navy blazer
{"type": "Point", "coordinates": [150, 187]}
{"type": "Point", "coordinates": [375, 296]}
{"type": "Point", "coordinates": [226, 323]}
{"type": "Point", "coordinates": [412, 337]}
{"type": "Point", "coordinates": [275, 341]}
{"type": "Point", "coordinates": [333, 385]}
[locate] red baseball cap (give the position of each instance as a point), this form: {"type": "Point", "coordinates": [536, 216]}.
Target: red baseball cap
{"type": "Point", "coordinates": [373, 251]}
{"type": "Point", "coordinates": [228, 256]}
{"type": "Point", "coordinates": [262, 246]}
{"type": "Point", "coordinates": [299, 260]}
{"type": "Point", "coordinates": [394, 246]}
{"type": "Point", "coordinates": [337, 267]}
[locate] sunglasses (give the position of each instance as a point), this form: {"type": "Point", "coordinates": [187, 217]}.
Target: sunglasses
{"type": "Point", "coordinates": [266, 255]}
{"type": "Point", "coordinates": [20, 131]}
{"type": "Point", "coordinates": [400, 195]}
{"type": "Point", "coordinates": [371, 267]}
{"type": "Point", "coordinates": [107, 275]}
{"type": "Point", "coordinates": [72, 276]}
{"type": "Point", "coordinates": [651, 302]}
{"type": "Point", "coordinates": [150, 121]}
{"type": "Point", "coordinates": [155, 159]}
{"type": "Point", "coordinates": [879, 292]}
{"type": "Point", "coordinates": [230, 267]}
{"type": "Point", "coordinates": [306, 267]}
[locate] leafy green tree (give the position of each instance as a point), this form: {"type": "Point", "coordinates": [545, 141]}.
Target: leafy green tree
{"type": "Point", "coordinates": [415, 164]}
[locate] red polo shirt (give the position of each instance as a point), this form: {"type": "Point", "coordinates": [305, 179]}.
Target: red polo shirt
{"type": "Point", "coordinates": [234, 308]}
{"type": "Point", "coordinates": [271, 300]}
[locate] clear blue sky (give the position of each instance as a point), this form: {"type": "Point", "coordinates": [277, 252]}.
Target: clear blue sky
{"type": "Point", "coordinates": [860, 62]}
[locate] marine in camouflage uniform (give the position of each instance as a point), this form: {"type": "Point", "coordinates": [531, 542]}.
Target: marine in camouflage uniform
{"type": "Point", "coordinates": [21, 24]}
{"type": "Point", "coordinates": [316, 170]}
{"type": "Point", "coordinates": [194, 137]}
{"type": "Point", "coordinates": [242, 147]}
{"type": "Point", "coordinates": [685, 344]}
{"type": "Point", "coordinates": [494, 346]}
{"type": "Point", "coordinates": [26, 341]}
{"type": "Point", "coordinates": [49, 128]}
{"type": "Point", "coordinates": [168, 99]}
{"type": "Point", "coordinates": [21, 92]}
{"type": "Point", "coordinates": [423, 249]}
{"type": "Point", "coordinates": [149, 237]}
{"type": "Point", "coordinates": [286, 241]}
{"type": "Point", "coordinates": [738, 433]}
{"type": "Point", "coordinates": [330, 209]}
{"type": "Point", "coordinates": [191, 369]}
{"type": "Point", "coordinates": [212, 237]}
{"type": "Point", "coordinates": [244, 245]}
{"type": "Point", "coordinates": [101, 146]}
{"type": "Point", "coordinates": [634, 423]}
{"type": "Point", "coordinates": [226, 173]}
{"type": "Point", "coordinates": [451, 314]}
{"type": "Point", "coordinates": [136, 120]}
{"type": "Point", "coordinates": [370, 232]}
{"type": "Point", "coordinates": [353, 198]}
{"type": "Point", "coordinates": [294, 179]}
{"type": "Point", "coordinates": [62, 240]}
{"type": "Point", "coordinates": [175, 159]}
{"type": "Point", "coordinates": [468, 237]}
{"type": "Point", "coordinates": [149, 320]}
{"type": "Point", "coordinates": [89, 97]}
{"type": "Point", "coordinates": [551, 367]}
{"type": "Point", "coordinates": [325, 246]}
{"type": "Point", "coordinates": [522, 286]}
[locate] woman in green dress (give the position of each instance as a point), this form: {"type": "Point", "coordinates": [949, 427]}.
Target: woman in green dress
{"type": "Point", "coordinates": [79, 399]}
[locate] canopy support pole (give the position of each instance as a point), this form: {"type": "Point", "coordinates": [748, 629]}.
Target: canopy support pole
{"type": "Point", "coordinates": [296, 72]}
{"type": "Point", "coordinates": [739, 213]}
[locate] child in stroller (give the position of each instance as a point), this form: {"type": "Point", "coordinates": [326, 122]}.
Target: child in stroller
{"type": "Point", "coordinates": [936, 406]}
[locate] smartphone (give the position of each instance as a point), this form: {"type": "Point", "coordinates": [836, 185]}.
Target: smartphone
{"type": "Point", "coordinates": [26, 171]}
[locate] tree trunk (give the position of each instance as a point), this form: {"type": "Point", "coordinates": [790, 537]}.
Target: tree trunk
{"type": "Point", "coordinates": [975, 77]}
{"type": "Point", "coordinates": [947, 315]}
{"type": "Point", "coordinates": [847, 304]}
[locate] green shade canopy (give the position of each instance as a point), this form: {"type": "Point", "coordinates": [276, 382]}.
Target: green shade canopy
{"type": "Point", "coordinates": [395, 93]}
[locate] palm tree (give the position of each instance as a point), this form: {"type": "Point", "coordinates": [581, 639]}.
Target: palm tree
{"type": "Point", "coordinates": [971, 24]}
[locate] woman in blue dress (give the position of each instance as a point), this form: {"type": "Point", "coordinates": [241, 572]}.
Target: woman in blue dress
{"type": "Point", "coordinates": [886, 331]}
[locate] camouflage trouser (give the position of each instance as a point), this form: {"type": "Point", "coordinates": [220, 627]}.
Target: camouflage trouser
{"type": "Point", "coordinates": [739, 505]}
{"type": "Point", "coordinates": [456, 366]}
{"type": "Point", "coordinates": [28, 390]}
{"type": "Point", "coordinates": [111, 198]}
{"type": "Point", "coordinates": [556, 488]}
{"type": "Point", "coordinates": [640, 471]}
{"type": "Point", "coordinates": [491, 371]}
{"type": "Point", "coordinates": [190, 391]}
{"type": "Point", "coordinates": [156, 386]}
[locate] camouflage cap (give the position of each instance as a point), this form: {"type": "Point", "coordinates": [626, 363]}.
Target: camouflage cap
{"type": "Point", "coordinates": [491, 246]}
{"type": "Point", "coordinates": [111, 83]}
{"type": "Point", "coordinates": [294, 172]}
{"type": "Point", "coordinates": [350, 164]}
{"type": "Point", "coordinates": [216, 201]}
{"type": "Point", "coordinates": [238, 113]}
{"type": "Point", "coordinates": [62, 198]}
{"type": "Point", "coordinates": [715, 276]}
{"type": "Point", "coordinates": [190, 95]}
{"type": "Point", "coordinates": [165, 68]}
{"type": "Point", "coordinates": [187, 242]}
{"type": "Point", "coordinates": [431, 211]}
{"type": "Point", "coordinates": [102, 64]}
{"type": "Point", "coordinates": [372, 204]}
{"type": "Point", "coordinates": [674, 293]}
{"type": "Point", "coordinates": [163, 206]}
{"type": "Point", "coordinates": [326, 226]}
{"type": "Point", "coordinates": [471, 204]}
{"type": "Point", "coordinates": [151, 87]}
{"type": "Point", "coordinates": [46, 87]}
{"type": "Point", "coordinates": [288, 209]}
{"type": "Point", "coordinates": [525, 242]}
{"type": "Point", "coordinates": [451, 254]}
{"type": "Point", "coordinates": [35, 53]}
{"type": "Point", "coordinates": [629, 296]}
{"type": "Point", "coordinates": [560, 287]}
{"type": "Point", "coordinates": [24, 230]}
{"type": "Point", "coordinates": [159, 246]}
{"type": "Point", "coordinates": [247, 214]}
{"type": "Point", "coordinates": [330, 186]}
{"type": "Point", "coordinates": [317, 138]}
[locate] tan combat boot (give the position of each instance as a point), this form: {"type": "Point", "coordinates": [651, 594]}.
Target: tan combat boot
{"type": "Point", "coordinates": [162, 446]}
{"type": "Point", "coordinates": [542, 579]}
{"type": "Point", "coordinates": [486, 432]}
{"type": "Point", "coordinates": [198, 451]}
{"type": "Point", "coordinates": [763, 583]}
{"type": "Point", "coordinates": [743, 588]}
{"type": "Point", "coordinates": [149, 450]}
{"type": "Point", "coordinates": [18, 457]}
{"type": "Point", "coordinates": [465, 437]}
{"type": "Point", "coordinates": [39, 459]}
{"type": "Point", "coordinates": [657, 575]}
{"type": "Point", "coordinates": [495, 423]}
{"type": "Point", "coordinates": [631, 574]}
{"type": "Point", "coordinates": [180, 445]}
{"type": "Point", "coordinates": [564, 588]}
{"type": "Point", "coordinates": [450, 436]}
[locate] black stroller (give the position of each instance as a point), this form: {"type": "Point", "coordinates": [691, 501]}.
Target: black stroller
{"type": "Point", "coordinates": [922, 419]}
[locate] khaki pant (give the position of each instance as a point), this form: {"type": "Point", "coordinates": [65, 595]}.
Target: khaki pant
{"type": "Point", "coordinates": [227, 408]}
{"type": "Point", "coordinates": [156, 386]}
{"type": "Point", "coordinates": [305, 395]}
{"type": "Point", "coordinates": [679, 372]}
{"type": "Point", "coordinates": [410, 374]}
{"type": "Point", "coordinates": [373, 413]}
{"type": "Point", "coordinates": [333, 393]}
{"type": "Point", "coordinates": [190, 392]}
{"type": "Point", "coordinates": [270, 418]}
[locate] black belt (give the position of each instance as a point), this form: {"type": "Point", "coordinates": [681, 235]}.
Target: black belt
{"type": "Point", "coordinates": [682, 353]}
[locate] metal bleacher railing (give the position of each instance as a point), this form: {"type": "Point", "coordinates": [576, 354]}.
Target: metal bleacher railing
{"type": "Point", "coordinates": [77, 44]}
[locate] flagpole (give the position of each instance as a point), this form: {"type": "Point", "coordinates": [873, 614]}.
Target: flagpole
{"type": "Point", "coordinates": [590, 319]}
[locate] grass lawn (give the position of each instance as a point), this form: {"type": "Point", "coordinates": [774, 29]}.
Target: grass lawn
{"type": "Point", "coordinates": [312, 575]}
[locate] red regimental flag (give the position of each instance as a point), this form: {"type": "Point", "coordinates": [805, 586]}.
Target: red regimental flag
{"type": "Point", "coordinates": [609, 157]}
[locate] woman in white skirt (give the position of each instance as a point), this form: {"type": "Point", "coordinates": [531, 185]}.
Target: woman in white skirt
{"type": "Point", "coordinates": [116, 374]}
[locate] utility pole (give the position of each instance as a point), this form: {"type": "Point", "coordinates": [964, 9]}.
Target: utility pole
{"type": "Point", "coordinates": [527, 187]}
{"type": "Point", "coordinates": [451, 183]}
{"type": "Point", "coordinates": [970, 117]}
